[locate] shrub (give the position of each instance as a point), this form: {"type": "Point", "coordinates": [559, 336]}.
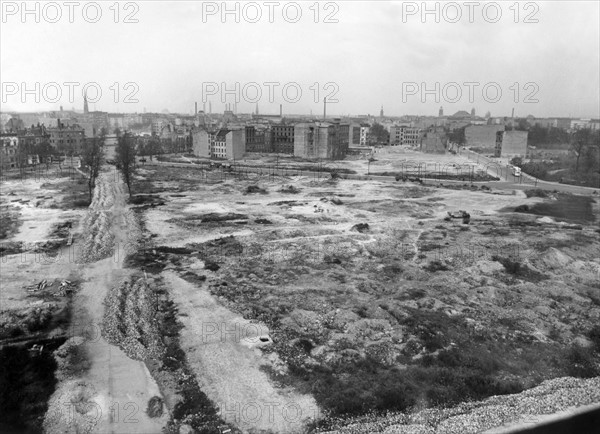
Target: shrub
{"type": "Point", "coordinates": [434, 266]}
{"type": "Point", "coordinates": [252, 189]}
{"type": "Point", "coordinates": [537, 192]}
{"type": "Point", "coordinates": [155, 407]}
{"type": "Point", "coordinates": [594, 336]}
{"type": "Point", "coordinates": [580, 362]}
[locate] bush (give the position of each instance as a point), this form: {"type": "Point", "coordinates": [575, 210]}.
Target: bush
{"type": "Point", "coordinates": [580, 362]}
{"type": "Point", "coordinates": [434, 266]}
{"type": "Point", "coordinates": [594, 336]}
{"type": "Point", "coordinates": [538, 192]}
{"type": "Point", "coordinates": [155, 407]}
{"type": "Point", "coordinates": [252, 189]}
{"type": "Point", "coordinates": [512, 267]}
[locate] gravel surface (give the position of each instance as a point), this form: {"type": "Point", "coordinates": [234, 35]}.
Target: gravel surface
{"type": "Point", "coordinates": [551, 396]}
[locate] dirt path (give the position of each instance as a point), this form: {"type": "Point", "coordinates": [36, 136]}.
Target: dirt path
{"type": "Point", "coordinates": [112, 396]}
{"type": "Point", "coordinates": [221, 348]}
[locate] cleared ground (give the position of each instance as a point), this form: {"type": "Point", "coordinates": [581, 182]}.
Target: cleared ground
{"type": "Point", "coordinates": [404, 311]}
{"type": "Point", "coordinates": [285, 304]}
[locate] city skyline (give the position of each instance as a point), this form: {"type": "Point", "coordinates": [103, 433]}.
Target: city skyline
{"type": "Point", "coordinates": [373, 56]}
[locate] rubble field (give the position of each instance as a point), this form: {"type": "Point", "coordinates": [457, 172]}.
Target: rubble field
{"type": "Point", "coordinates": [262, 304]}
{"type": "Point", "coordinates": [38, 219]}
{"type": "Point", "coordinates": [371, 297]}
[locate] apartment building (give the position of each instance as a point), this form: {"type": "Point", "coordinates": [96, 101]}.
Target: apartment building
{"type": "Point", "coordinates": [404, 135]}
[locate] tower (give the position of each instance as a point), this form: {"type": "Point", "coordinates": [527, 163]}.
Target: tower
{"type": "Point", "coordinates": [441, 112]}
{"type": "Point", "coordinates": [381, 112]}
{"type": "Point", "coordinates": [85, 104]}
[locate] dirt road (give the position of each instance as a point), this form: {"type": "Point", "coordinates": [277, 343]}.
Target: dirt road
{"type": "Point", "coordinates": [221, 347]}
{"type": "Point", "coordinates": [112, 396]}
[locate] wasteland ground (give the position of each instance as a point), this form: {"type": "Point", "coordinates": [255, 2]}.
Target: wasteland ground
{"type": "Point", "coordinates": [285, 304]}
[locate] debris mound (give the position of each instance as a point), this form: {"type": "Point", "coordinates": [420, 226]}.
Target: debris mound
{"type": "Point", "coordinates": [360, 227]}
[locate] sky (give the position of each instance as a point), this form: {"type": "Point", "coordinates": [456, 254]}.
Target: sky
{"type": "Point", "coordinates": [361, 56]}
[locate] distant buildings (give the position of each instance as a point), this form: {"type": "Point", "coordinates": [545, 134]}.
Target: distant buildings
{"type": "Point", "coordinates": [326, 140]}
{"type": "Point", "coordinates": [282, 138]}
{"type": "Point", "coordinates": [592, 124]}
{"type": "Point", "coordinates": [66, 137]}
{"type": "Point", "coordinates": [434, 141]}
{"type": "Point", "coordinates": [221, 144]}
{"type": "Point", "coordinates": [404, 135]}
{"type": "Point", "coordinates": [9, 145]}
{"type": "Point", "coordinates": [482, 136]}
{"type": "Point", "coordinates": [511, 144]}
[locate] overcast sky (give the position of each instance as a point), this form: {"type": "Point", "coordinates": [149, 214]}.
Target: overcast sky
{"type": "Point", "coordinates": [377, 54]}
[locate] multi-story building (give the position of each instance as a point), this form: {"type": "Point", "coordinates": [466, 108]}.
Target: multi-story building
{"type": "Point", "coordinates": [434, 141]}
{"type": "Point", "coordinates": [511, 144]}
{"type": "Point", "coordinates": [257, 140]}
{"type": "Point", "coordinates": [404, 135]}
{"type": "Point", "coordinates": [30, 137]}
{"type": "Point", "coordinates": [222, 144]}
{"type": "Point", "coordinates": [364, 134]}
{"type": "Point", "coordinates": [325, 140]}
{"type": "Point", "coordinates": [282, 138]}
{"type": "Point", "coordinates": [354, 137]}
{"type": "Point", "coordinates": [63, 137]}
{"type": "Point", "coordinates": [482, 136]}
{"type": "Point", "coordinates": [9, 146]}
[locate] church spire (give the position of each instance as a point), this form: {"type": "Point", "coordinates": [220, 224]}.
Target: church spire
{"type": "Point", "coordinates": [85, 104]}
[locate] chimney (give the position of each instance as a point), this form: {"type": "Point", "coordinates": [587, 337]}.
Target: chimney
{"type": "Point", "coordinates": [324, 108]}
{"type": "Point", "coordinates": [196, 109]}
{"type": "Point", "coordinates": [513, 113]}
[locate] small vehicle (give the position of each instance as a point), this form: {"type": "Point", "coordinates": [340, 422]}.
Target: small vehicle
{"type": "Point", "coordinates": [516, 171]}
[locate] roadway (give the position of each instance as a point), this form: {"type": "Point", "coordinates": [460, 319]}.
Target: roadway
{"type": "Point", "coordinates": [525, 182]}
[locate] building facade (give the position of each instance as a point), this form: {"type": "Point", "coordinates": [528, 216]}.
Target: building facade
{"type": "Point", "coordinates": [222, 144]}
{"type": "Point", "coordinates": [403, 135]}
{"type": "Point", "coordinates": [65, 137]}
{"type": "Point", "coordinates": [282, 138]}
{"type": "Point", "coordinates": [257, 140]}
{"type": "Point", "coordinates": [9, 146]}
{"type": "Point", "coordinates": [321, 140]}
{"type": "Point", "coordinates": [434, 141]}
{"type": "Point", "coordinates": [482, 136]}
{"type": "Point", "coordinates": [511, 144]}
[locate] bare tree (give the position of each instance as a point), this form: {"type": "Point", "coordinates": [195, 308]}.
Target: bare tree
{"type": "Point", "coordinates": [92, 156]}
{"type": "Point", "coordinates": [125, 158]}
{"type": "Point", "coordinates": [579, 140]}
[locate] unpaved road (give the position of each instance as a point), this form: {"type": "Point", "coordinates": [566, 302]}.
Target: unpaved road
{"type": "Point", "coordinates": [118, 388]}
{"type": "Point", "coordinates": [221, 348]}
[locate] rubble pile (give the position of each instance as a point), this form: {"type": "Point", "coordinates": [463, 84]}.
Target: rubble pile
{"type": "Point", "coordinates": [129, 320]}
{"type": "Point", "coordinates": [99, 240]}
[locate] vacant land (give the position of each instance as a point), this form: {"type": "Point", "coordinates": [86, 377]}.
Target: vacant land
{"type": "Point", "coordinates": [368, 299]}
{"type": "Point", "coordinates": [260, 303]}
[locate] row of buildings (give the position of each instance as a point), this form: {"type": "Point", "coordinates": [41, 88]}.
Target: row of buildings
{"type": "Point", "coordinates": [311, 140]}
{"type": "Point", "coordinates": [21, 146]}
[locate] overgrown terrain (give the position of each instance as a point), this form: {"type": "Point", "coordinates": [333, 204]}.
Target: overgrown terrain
{"type": "Point", "coordinates": [374, 302]}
